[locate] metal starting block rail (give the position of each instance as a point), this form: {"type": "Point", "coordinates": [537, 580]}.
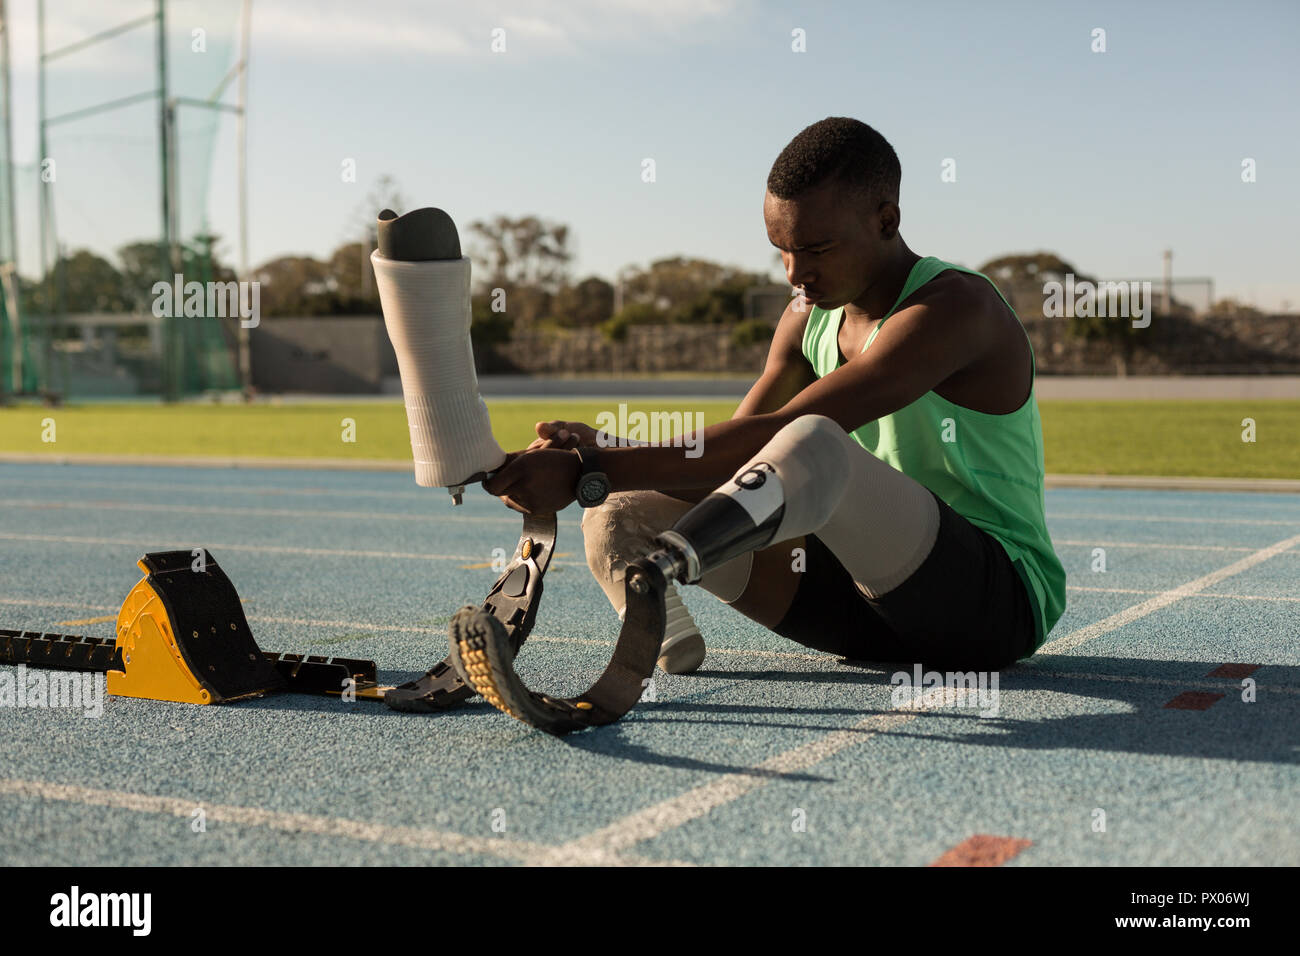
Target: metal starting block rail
{"type": "Point", "coordinates": [302, 674]}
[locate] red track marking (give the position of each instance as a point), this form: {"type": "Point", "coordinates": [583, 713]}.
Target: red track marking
{"type": "Point", "coordinates": [983, 850]}
{"type": "Point", "coordinates": [1194, 700]}
{"type": "Point", "coordinates": [1233, 670]}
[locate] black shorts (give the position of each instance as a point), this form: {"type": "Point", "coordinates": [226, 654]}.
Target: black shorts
{"type": "Point", "coordinates": [964, 608]}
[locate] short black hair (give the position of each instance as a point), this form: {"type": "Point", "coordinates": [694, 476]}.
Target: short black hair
{"type": "Point", "coordinates": [839, 149]}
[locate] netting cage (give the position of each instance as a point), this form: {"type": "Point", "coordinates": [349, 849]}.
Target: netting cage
{"type": "Point", "coordinates": [135, 194]}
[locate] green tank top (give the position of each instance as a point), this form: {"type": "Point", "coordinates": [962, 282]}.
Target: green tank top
{"type": "Point", "coordinates": [988, 468]}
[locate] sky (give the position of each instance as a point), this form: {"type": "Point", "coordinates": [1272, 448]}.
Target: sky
{"type": "Point", "coordinates": [1106, 158]}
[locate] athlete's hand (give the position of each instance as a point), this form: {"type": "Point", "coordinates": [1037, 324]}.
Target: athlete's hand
{"type": "Point", "coordinates": [563, 435]}
{"type": "Point", "coordinates": [536, 481]}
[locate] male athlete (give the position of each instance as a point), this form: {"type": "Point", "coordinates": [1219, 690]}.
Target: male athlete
{"type": "Point", "coordinates": [926, 541]}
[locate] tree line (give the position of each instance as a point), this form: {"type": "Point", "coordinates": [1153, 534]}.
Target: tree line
{"type": "Point", "coordinates": [522, 280]}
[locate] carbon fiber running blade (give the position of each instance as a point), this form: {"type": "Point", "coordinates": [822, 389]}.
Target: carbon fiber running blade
{"type": "Point", "coordinates": [481, 651]}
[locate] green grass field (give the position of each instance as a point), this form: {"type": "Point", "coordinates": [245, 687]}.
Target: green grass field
{"type": "Point", "coordinates": [1197, 439]}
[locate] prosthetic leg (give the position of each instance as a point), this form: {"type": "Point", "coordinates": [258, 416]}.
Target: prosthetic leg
{"type": "Point", "coordinates": [423, 283]}
{"type": "Point", "coordinates": [424, 289]}
{"type": "Point", "coordinates": [796, 483]}
{"type": "Point", "coordinates": [809, 478]}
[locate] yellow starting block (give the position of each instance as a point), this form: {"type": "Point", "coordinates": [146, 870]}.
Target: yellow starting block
{"type": "Point", "coordinates": [182, 636]}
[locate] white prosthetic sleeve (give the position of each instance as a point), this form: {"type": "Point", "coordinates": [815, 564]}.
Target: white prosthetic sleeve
{"type": "Point", "coordinates": [812, 478]}
{"type": "Point", "coordinates": [426, 309]}
{"type": "Point", "coordinates": [622, 530]}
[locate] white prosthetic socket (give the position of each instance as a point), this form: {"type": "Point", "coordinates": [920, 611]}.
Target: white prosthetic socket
{"type": "Point", "coordinates": [423, 284]}
{"type": "Point", "coordinates": [622, 530]}
{"type": "Point", "coordinates": [813, 478]}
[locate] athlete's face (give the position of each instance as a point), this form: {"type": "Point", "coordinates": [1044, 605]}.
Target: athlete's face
{"type": "Point", "coordinates": [831, 242]}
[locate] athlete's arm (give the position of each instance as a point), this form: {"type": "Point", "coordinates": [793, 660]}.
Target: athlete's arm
{"type": "Point", "coordinates": [787, 371]}
{"type": "Point", "coordinates": [785, 374]}
{"type": "Point", "coordinates": [944, 331]}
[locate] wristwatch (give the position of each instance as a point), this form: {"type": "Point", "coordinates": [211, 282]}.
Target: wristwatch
{"type": "Point", "coordinates": [593, 484]}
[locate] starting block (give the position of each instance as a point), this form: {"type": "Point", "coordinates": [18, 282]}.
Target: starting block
{"type": "Point", "coordinates": [182, 637]}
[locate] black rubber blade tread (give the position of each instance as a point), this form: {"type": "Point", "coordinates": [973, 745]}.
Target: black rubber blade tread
{"type": "Point", "coordinates": [481, 649]}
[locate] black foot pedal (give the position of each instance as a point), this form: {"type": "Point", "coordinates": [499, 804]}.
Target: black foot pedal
{"type": "Point", "coordinates": [439, 689]}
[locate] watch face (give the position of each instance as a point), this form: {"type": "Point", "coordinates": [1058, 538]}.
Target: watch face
{"type": "Point", "coordinates": [593, 488]}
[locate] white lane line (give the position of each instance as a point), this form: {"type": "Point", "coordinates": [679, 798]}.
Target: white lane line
{"type": "Point", "coordinates": [712, 649]}
{"type": "Point", "coordinates": [533, 854]}
{"type": "Point", "coordinates": [702, 800]}
{"type": "Point", "coordinates": [1226, 684]}
{"type": "Point", "coordinates": [1084, 516]}
{"type": "Point", "coordinates": [98, 481]}
{"type": "Point", "coordinates": [439, 629]}
{"type": "Point", "coordinates": [668, 814]}
{"type": "Point", "coordinates": [208, 462]}
{"type": "Point", "coordinates": [1152, 545]}
{"type": "Point", "coordinates": [155, 544]}
{"type": "Point", "coordinates": [1199, 594]}
{"type": "Point", "coordinates": [1023, 669]}
{"type": "Point", "coordinates": [434, 629]}
{"type": "Point", "coordinates": [1165, 598]}
{"type": "Point", "coordinates": [104, 504]}
{"type": "Point", "coordinates": [253, 618]}
{"type": "Point", "coordinates": [775, 655]}
{"type": "Point", "coordinates": [42, 602]}
{"type": "Point", "coordinates": [657, 819]}
{"type": "Point", "coordinates": [225, 488]}
{"type": "Point", "coordinates": [101, 504]}
{"type": "Point", "coordinates": [1181, 483]}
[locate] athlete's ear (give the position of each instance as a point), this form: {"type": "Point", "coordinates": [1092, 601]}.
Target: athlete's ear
{"type": "Point", "coordinates": [890, 217]}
